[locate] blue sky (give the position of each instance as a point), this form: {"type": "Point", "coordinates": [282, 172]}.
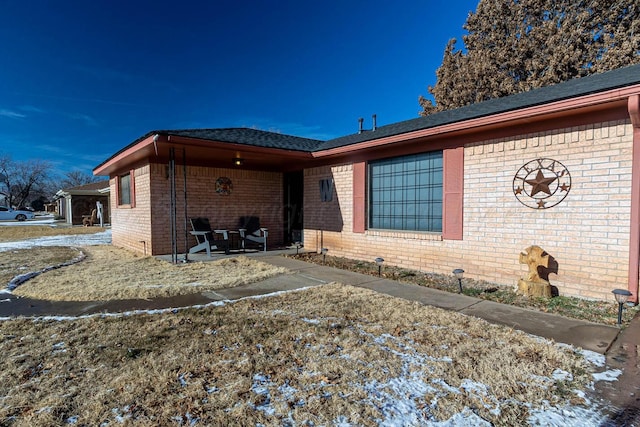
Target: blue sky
{"type": "Point", "coordinates": [79, 79]}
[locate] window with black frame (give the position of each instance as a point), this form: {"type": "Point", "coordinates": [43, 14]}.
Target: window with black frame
{"type": "Point", "coordinates": [405, 193]}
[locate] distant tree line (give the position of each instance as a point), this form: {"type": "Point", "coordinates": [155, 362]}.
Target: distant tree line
{"type": "Point", "coordinates": [514, 46]}
{"type": "Point", "coordinates": [32, 183]}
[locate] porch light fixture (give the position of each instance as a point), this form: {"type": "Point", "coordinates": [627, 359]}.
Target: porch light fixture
{"type": "Point", "coordinates": [458, 272]}
{"type": "Point", "coordinates": [379, 262]}
{"type": "Point", "coordinates": [238, 161]}
{"type": "Point", "coordinates": [324, 254]}
{"type": "Point", "coordinates": [621, 295]}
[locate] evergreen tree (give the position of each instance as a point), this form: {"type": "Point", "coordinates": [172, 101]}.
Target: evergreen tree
{"type": "Point", "coordinates": [514, 46]}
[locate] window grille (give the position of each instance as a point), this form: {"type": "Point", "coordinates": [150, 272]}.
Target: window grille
{"type": "Point", "coordinates": [405, 193]}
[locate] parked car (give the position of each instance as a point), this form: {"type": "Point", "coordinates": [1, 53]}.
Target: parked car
{"type": "Point", "coordinates": [15, 215]}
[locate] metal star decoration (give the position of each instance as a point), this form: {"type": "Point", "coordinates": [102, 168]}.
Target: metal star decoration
{"type": "Point", "coordinates": [540, 183]}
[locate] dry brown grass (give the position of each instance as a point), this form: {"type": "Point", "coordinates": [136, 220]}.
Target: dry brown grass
{"type": "Point", "coordinates": [22, 261]}
{"type": "Point", "coordinates": [310, 357]}
{"type": "Point", "coordinates": [110, 273]}
{"type": "Point", "coordinates": [13, 233]}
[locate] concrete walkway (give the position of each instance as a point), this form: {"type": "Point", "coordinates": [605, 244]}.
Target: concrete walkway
{"type": "Point", "coordinates": [590, 336]}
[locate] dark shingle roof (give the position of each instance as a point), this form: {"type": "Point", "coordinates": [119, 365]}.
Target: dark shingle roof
{"type": "Point", "coordinates": [573, 88]}
{"type": "Point", "coordinates": [577, 87]}
{"type": "Point", "coordinates": [93, 186]}
{"type": "Point", "coordinates": [248, 136]}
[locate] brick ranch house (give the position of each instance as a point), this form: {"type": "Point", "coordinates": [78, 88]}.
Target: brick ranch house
{"type": "Point", "coordinates": [471, 188]}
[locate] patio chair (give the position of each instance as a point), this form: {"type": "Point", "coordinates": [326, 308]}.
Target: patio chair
{"type": "Point", "coordinates": [207, 238]}
{"type": "Point", "coordinates": [89, 220]}
{"type": "Point", "coordinates": [250, 230]}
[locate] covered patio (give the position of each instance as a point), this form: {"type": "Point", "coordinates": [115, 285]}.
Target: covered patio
{"type": "Point", "coordinates": [165, 179]}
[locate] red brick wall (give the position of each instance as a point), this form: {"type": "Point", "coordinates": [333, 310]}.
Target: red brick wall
{"type": "Point", "coordinates": [254, 193]}
{"type": "Point", "coordinates": [328, 219]}
{"type": "Point", "coordinates": [131, 227]}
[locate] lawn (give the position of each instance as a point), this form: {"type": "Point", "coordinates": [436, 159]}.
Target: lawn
{"type": "Point", "coordinates": [330, 355]}
{"type": "Point", "coordinates": [109, 273]}
{"type": "Point", "coordinates": [104, 272]}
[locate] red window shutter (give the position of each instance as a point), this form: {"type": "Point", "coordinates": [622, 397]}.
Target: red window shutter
{"type": "Point", "coordinates": [359, 186]}
{"type": "Point", "coordinates": [453, 189]}
{"type": "Point", "coordinates": [117, 195]}
{"type": "Point", "coordinates": [132, 185]}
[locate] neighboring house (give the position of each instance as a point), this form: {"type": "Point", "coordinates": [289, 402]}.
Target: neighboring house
{"type": "Point", "coordinates": [471, 188]}
{"type": "Point", "coordinates": [73, 203]}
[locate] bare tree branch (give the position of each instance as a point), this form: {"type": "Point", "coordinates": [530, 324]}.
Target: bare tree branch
{"type": "Point", "coordinates": [21, 180]}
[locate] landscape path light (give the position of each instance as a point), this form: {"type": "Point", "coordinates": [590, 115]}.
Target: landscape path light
{"type": "Point", "coordinates": [622, 295]}
{"type": "Point", "coordinates": [379, 262]}
{"type": "Point", "coordinates": [458, 272]}
{"type": "Point", "coordinates": [298, 246]}
{"type": "Point", "coordinates": [324, 254]}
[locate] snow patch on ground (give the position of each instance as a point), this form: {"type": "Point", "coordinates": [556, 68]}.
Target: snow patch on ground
{"type": "Point", "coordinates": [101, 238]}
{"type": "Point", "coordinates": [611, 375]}
{"type": "Point", "coordinates": [39, 220]}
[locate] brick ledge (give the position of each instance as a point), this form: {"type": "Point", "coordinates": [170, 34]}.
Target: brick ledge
{"type": "Point", "coordinates": [410, 235]}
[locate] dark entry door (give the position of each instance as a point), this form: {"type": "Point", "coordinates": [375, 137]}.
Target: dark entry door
{"type": "Point", "coordinates": [293, 199]}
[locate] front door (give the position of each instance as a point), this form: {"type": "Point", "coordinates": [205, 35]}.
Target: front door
{"type": "Point", "coordinates": [293, 199]}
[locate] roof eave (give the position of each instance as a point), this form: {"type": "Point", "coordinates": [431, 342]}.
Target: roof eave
{"type": "Point", "coordinates": [124, 156]}
{"type": "Point", "coordinates": [151, 148]}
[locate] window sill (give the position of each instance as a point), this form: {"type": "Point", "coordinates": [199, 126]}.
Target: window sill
{"type": "Point", "coordinates": [404, 234]}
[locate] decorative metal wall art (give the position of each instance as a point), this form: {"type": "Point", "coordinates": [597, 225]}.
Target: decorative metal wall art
{"type": "Point", "coordinates": [541, 183]}
{"type": "Point", "coordinates": [224, 186]}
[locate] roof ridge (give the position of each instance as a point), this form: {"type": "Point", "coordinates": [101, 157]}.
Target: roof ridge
{"type": "Point", "coordinates": [579, 86]}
